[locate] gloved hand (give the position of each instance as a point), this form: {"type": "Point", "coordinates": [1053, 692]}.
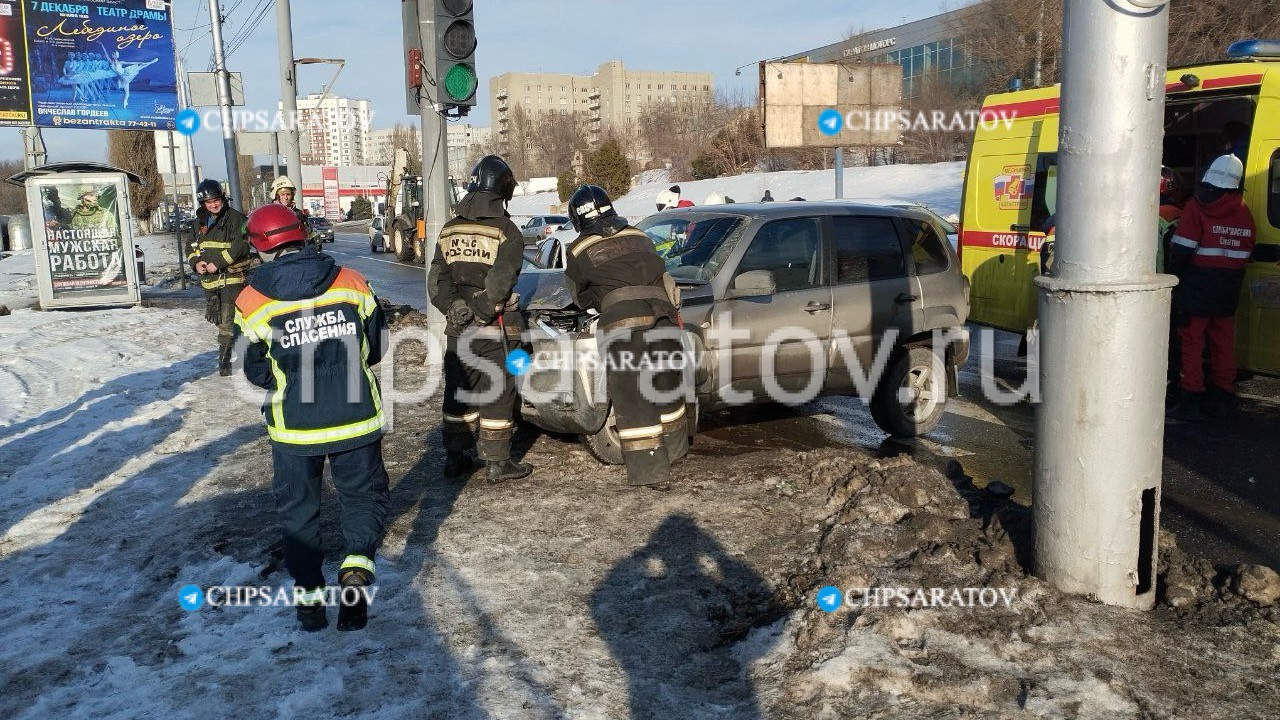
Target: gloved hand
{"type": "Point", "coordinates": [483, 310]}
{"type": "Point", "coordinates": [460, 315]}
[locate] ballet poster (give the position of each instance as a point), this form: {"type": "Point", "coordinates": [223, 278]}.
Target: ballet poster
{"type": "Point", "coordinates": [101, 64]}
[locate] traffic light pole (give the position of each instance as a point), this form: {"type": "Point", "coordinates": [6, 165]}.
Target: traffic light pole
{"type": "Point", "coordinates": [224, 107]}
{"type": "Point", "coordinates": [1104, 312]}
{"type": "Point", "coordinates": [435, 153]}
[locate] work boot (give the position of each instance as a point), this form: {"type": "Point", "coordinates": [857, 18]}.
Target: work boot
{"type": "Point", "coordinates": [1188, 408]}
{"type": "Point", "coordinates": [353, 613]}
{"type": "Point", "coordinates": [311, 612]}
{"type": "Point", "coordinates": [224, 360]}
{"type": "Point", "coordinates": [458, 464]}
{"type": "Point", "coordinates": [502, 470]}
{"type": "Point", "coordinates": [1219, 404]}
{"type": "Point", "coordinates": [648, 467]}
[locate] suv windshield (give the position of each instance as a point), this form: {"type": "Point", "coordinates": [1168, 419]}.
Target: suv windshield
{"type": "Point", "coordinates": [694, 245]}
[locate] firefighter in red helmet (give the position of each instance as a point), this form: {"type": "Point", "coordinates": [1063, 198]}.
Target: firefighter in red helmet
{"type": "Point", "coordinates": [313, 330]}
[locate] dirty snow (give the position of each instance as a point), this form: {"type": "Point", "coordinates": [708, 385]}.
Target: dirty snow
{"type": "Point", "coordinates": [937, 186]}
{"type": "Point", "coordinates": [130, 472]}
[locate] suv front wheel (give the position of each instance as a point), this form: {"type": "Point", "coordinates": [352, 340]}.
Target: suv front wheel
{"type": "Point", "coordinates": [912, 394]}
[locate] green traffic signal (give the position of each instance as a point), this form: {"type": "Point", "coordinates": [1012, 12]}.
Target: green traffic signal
{"type": "Point", "coordinates": [460, 82]}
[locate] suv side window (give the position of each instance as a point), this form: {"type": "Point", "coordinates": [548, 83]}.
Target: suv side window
{"type": "Point", "coordinates": [791, 249]}
{"type": "Point", "coordinates": [867, 248]}
{"type": "Point", "coordinates": [925, 246]}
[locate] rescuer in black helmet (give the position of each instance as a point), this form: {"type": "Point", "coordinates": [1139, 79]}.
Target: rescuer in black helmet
{"type": "Point", "coordinates": [219, 254]}
{"type": "Point", "coordinates": [473, 273]}
{"type": "Point", "coordinates": [616, 271]}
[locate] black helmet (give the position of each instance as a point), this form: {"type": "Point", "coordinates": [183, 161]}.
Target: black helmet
{"type": "Point", "coordinates": [494, 175]}
{"type": "Point", "coordinates": [589, 206]}
{"type": "Point", "coordinates": [209, 189]}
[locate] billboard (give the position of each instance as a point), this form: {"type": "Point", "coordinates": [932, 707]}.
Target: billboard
{"type": "Point", "coordinates": [15, 94]}
{"type": "Point", "coordinates": [332, 206]}
{"type": "Point", "coordinates": [96, 64]}
{"type": "Point", "coordinates": [83, 240]}
{"type": "Point", "coordinates": [799, 98]}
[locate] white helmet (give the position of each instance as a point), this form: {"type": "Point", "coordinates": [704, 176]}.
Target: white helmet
{"type": "Point", "coordinates": [1225, 173]}
{"type": "Point", "coordinates": [668, 198]}
{"type": "Point", "coordinates": [282, 183]}
{"type": "Point", "coordinates": [714, 198]}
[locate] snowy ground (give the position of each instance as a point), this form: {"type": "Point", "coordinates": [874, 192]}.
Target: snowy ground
{"type": "Point", "coordinates": [937, 186]}
{"type": "Point", "coordinates": [130, 471]}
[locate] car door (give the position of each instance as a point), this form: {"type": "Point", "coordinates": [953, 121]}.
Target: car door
{"type": "Point", "coordinates": [875, 298]}
{"type": "Point", "coordinates": [787, 332]}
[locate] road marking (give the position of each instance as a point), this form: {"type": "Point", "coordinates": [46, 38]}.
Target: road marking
{"type": "Point", "coordinates": [365, 257]}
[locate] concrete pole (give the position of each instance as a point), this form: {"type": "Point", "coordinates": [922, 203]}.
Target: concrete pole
{"type": "Point", "coordinates": [184, 100]}
{"type": "Point", "coordinates": [839, 173]}
{"type": "Point", "coordinates": [177, 225]}
{"type": "Point", "coordinates": [1035, 73]}
{"type": "Point", "coordinates": [224, 106]}
{"type": "Point", "coordinates": [435, 153]}
{"type": "Point", "coordinates": [288, 94]}
{"type": "Point", "coordinates": [34, 155]}
{"type": "Point", "coordinates": [1104, 313]}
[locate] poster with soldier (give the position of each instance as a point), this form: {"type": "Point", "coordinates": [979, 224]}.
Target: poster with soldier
{"type": "Point", "coordinates": [84, 243]}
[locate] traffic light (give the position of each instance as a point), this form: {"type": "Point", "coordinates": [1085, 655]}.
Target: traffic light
{"type": "Point", "coordinates": [456, 80]}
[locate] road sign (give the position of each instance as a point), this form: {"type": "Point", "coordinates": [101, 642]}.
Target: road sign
{"type": "Point", "coordinates": [204, 89]}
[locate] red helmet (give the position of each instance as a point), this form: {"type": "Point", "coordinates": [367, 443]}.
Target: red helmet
{"type": "Point", "coordinates": [273, 225]}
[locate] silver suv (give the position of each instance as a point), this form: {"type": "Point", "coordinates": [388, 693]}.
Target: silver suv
{"type": "Point", "coordinates": [785, 302]}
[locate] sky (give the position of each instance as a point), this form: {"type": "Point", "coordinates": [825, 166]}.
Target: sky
{"type": "Point", "coordinates": [558, 36]}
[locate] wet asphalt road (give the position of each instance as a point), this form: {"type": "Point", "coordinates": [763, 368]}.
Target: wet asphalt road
{"type": "Point", "coordinates": [1221, 488]}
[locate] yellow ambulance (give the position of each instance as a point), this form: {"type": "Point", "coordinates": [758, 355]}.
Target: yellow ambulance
{"type": "Point", "coordinates": [1010, 187]}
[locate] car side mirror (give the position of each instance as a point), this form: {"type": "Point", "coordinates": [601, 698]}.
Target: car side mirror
{"type": "Point", "coordinates": [753, 283]}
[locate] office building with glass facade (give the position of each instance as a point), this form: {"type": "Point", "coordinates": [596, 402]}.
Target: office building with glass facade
{"type": "Point", "coordinates": [931, 46]}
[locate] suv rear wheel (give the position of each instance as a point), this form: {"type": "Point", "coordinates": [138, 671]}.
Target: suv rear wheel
{"type": "Point", "coordinates": [913, 393]}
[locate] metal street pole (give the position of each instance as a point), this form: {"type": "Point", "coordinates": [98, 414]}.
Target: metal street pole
{"type": "Point", "coordinates": [435, 152]}
{"type": "Point", "coordinates": [839, 173]}
{"type": "Point", "coordinates": [184, 101]}
{"type": "Point", "coordinates": [1035, 73]}
{"type": "Point", "coordinates": [176, 216]}
{"type": "Point", "coordinates": [288, 94]}
{"type": "Point", "coordinates": [1104, 312]}
{"type": "Point", "coordinates": [224, 105]}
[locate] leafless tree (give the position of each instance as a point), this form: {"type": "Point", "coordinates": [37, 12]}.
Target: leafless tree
{"type": "Point", "coordinates": [135, 151]}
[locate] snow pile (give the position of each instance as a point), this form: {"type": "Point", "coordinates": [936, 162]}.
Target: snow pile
{"type": "Point", "coordinates": [938, 186]}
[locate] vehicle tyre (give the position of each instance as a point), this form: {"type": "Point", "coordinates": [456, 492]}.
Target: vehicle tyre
{"type": "Point", "coordinates": [604, 444]}
{"type": "Point", "coordinates": [402, 245]}
{"type": "Point", "coordinates": [912, 395]}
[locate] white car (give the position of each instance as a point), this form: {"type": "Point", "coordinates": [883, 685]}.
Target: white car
{"type": "Point", "coordinates": [377, 242]}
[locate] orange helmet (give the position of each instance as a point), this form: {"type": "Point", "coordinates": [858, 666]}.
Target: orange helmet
{"type": "Point", "coordinates": [273, 225]}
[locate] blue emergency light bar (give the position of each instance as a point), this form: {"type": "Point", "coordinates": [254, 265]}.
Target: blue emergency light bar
{"type": "Point", "coordinates": [1249, 49]}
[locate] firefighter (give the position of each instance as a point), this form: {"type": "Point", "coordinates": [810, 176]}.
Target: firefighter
{"type": "Point", "coordinates": [285, 193]}
{"type": "Point", "coordinates": [473, 273]}
{"type": "Point", "coordinates": [313, 331]}
{"type": "Point", "coordinates": [220, 256]}
{"type": "Point", "coordinates": [1210, 248]}
{"type": "Point", "coordinates": [615, 270]}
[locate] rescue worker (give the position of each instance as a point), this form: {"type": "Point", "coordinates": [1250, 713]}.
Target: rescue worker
{"type": "Point", "coordinates": [473, 273]}
{"type": "Point", "coordinates": [1171, 202]}
{"type": "Point", "coordinates": [220, 256]}
{"type": "Point", "coordinates": [313, 330]}
{"type": "Point", "coordinates": [670, 198]}
{"type": "Point", "coordinates": [1209, 251]}
{"type": "Point", "coordinates": [615, 270]}
{"type": "Point", "coordinates": [285, 193]}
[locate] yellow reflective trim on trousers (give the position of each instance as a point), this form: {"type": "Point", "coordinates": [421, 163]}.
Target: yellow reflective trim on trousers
{"type": "Point", "coordinates": [308, 597]}
{"type": "Point", "coordinates": [468, 418]}
{"type": "Point", "coordinates": [639, 433]}
{"type": "Point", "coordinates": [673, 416]}
{"type": "Point", "coordinates": [326, 435]}
{"type": "Point", "coordinates": [358, 561]}
{"type": "Point", "coordinates": [496, 424]}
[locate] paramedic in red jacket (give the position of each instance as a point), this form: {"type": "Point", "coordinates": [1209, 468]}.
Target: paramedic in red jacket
{"type": "Point", "coordinates": [1208, 253]}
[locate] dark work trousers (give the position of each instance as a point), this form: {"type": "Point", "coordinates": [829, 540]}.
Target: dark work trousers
{"type": "Point", "coordinates": [491, 421]}
{"type": "Point", "coordinates": [640, 362]}
{"type": "Point", "coordinates": [361, 481]}
{"type": "Point", "coordinates": [220, 309]}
